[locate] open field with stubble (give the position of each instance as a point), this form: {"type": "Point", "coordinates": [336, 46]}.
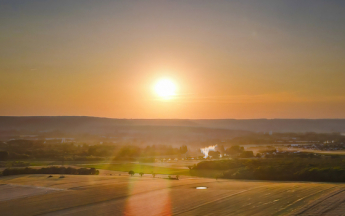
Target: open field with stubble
{"type": "Point", "coordinates": [124, 195]}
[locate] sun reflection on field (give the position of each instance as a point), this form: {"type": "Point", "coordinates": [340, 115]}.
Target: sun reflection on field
{"type": "Point", "coordinates": [139, 204]}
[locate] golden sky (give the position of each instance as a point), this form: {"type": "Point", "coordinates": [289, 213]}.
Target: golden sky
{"type": "Point", "coordinates": [228, 59]}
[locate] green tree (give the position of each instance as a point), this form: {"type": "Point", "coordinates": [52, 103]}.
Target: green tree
{"type": "Point", "coordinates": [234, 150]}
{"type": "Point", "coordinates": [214, 154]}
{"type": "Point", "coordinates": [247, 154]}
{"type": "Point", "coordinates": [131, 173]}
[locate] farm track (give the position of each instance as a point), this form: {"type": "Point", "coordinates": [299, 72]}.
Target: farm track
{"type": "Point", "coordinates": [122, 195]}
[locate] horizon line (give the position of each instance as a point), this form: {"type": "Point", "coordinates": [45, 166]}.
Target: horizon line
{"type": "Point", "coordinates": [32, 116]}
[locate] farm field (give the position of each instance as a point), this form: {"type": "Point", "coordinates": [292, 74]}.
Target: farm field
{"type": "Point", "coordinates": [137, 168]}
{"type": "Point", "coordinates": [124, 195]}
{"type": "Point", "coordinates": [180, 164]}
{"type": "Point", "coordinates": [164, 168]}
{"type": "Point", "coordinates": [172, 168]}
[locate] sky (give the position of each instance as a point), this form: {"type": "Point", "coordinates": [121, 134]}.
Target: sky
{"type": "Point", "coordinates": [228, 59]}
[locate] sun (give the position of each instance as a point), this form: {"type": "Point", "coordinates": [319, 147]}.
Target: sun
{"type": "Point", "coordinates": [165, 88]}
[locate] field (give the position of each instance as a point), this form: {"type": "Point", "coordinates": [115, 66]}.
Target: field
{"type": "Point", "coordinates": [124, 195]}
{"type": "Point", "coordinates": [166, 168]}
{"type": "Point", "coordinates": [137, 168]}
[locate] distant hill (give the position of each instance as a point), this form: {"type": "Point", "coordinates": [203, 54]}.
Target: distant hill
{"type": "Point", "coordinates": [278, 125]}
{"type": "Point", "coordinates": [168, 131]}
{"type": "Point", "coordinates": [81, 124]}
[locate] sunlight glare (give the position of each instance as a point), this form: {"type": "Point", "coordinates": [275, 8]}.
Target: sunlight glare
{"type": "Point", "coordinates": [165, 88]}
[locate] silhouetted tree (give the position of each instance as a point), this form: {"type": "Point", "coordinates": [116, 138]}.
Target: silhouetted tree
{"type": "Point", "coordinates": [247, 154]}
{"type": "Point", "coordinates": [131, 173]}
{"type": "Point", "coordinates": [214, 154]}
{"type": "Point", "coordinates": [234, 150]}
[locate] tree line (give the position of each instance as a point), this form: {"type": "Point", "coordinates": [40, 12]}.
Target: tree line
{"type": "Point", "coordinates": [28, 149]}
{"type": "Point", "coordinates": [50, 170]}
{"type": "Point", "coordinates": [296, 169]}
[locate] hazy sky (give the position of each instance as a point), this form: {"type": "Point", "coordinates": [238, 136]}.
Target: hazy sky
{"type": "Point", "coordinates": [229, 59]}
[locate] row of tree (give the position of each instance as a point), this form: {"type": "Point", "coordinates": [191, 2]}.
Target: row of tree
{"type": "Point", "coordinates": [50, 170]}
{"type": "Point", "coordinates": [28, 149]}
{"type": "Point", "coordinates": [233, 151]}
{"type": "Point", "coordinates": [261, 138]}
{"type": "Point", "coordinates": [296, 169]}
{"type": "Point", "coordinates": [132, 173]}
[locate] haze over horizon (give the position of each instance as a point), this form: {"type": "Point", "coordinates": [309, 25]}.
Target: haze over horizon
{"type": "Point", "coordinates": [221, 59]}
{"type": "Point", "coordinates": [105, 117]}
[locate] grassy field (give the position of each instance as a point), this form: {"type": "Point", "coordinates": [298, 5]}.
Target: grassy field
{"type": "Point", "coordinates": [166, 169]}
{"type": "Point", "coordinates": [123, 195]}
{"type": "Point", "coordinates": [137, 168]}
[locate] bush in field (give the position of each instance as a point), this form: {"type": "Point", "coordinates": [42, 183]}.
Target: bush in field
{"type": "Point", "coordinates": [141, 174]}
{"type": "Point", "coordinates": [51, 170]}
{"type": "Point", "coordinates": [131, 173]}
